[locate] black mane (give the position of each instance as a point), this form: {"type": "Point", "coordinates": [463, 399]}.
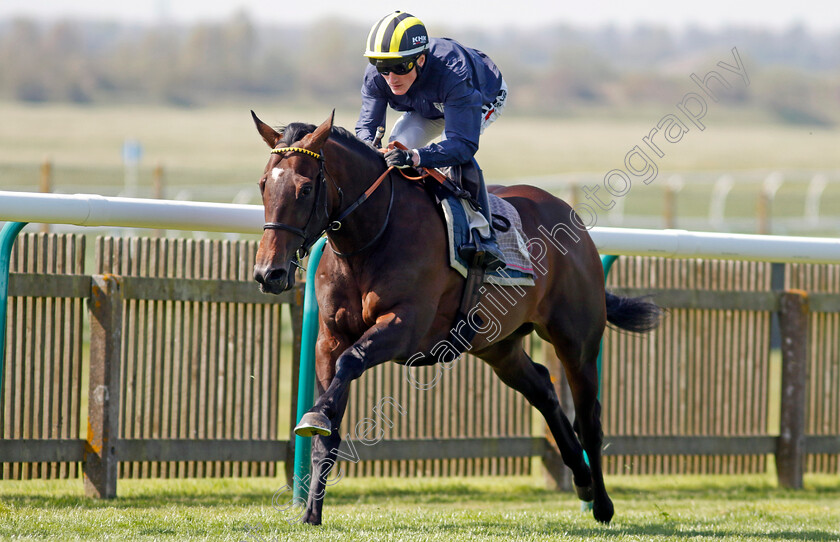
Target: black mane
{"type": "Point", "coordinates": [294, 132]}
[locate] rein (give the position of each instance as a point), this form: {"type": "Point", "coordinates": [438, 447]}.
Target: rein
{"type": "Point", "coordinates": [335, 225]}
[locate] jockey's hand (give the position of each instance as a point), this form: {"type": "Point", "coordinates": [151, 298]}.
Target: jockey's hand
{"type": "Point", "coordinates": [399, 158]}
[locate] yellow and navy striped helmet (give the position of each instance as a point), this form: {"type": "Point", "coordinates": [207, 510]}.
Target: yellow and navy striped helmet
{"type": "Point", "coordinates": [395, 36]}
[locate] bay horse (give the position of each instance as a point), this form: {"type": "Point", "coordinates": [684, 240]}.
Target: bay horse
{"type": "Point", "coordinates": [386, 292]}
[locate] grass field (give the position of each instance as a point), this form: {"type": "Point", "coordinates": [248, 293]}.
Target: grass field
{"type": "Point", "coordinates": [647, 508]}
{"type": "Point", "coordinates": [223, 138]}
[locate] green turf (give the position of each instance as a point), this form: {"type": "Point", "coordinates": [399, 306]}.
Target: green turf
{"type": "Point", "coordinates": [221, 142]}
{"type": "Point", "coordinates": [647, 508]}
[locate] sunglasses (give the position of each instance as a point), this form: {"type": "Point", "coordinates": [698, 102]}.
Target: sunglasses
{"type": "Point", "coordinates": [402, 68]}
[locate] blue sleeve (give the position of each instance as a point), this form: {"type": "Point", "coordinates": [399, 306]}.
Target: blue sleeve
{"type": "Point", "coordinates": [462, 115]}
{"type": "Point", "coordinates": [374, 108]}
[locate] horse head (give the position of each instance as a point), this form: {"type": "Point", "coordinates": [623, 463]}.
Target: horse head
{"type": "Point", "coordinates": [295, 197]}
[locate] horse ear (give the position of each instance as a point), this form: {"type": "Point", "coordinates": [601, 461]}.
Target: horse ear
{"type": "Point", "coordinates": [322, 132]}
{"type": "Point", "coordinates": [269, 134]}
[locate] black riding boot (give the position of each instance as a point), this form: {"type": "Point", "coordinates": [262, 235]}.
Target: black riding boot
{"type": "Point", "coordinates": [487, 247]}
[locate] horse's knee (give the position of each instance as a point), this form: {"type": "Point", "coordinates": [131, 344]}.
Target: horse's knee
{"type": "Point", "coordinates": [349, 366]}
{"type": "Point", "coordinates": [542, 370]}
{"type": "Point", "coordinates": [546, 400]}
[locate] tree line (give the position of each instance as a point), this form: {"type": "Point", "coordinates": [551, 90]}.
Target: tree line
{"type": "Point", "coordinates": [556, 69]}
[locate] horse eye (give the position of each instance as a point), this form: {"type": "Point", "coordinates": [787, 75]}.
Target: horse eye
{"type": "Point", "coordinates": [306, 190]}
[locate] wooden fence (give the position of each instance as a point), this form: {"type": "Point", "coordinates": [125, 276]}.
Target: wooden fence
{"type": "Point", "coordinates": [43, 395]}
{"type": "Point", "coordinates": [188, 362]}
{"type": "Point", "coordinates": [706, 393]}
{"type": "Point", "coordinates": [823, 395]}
{"type": "Point", "coordinates": [191, 373]}
{"type": "Point", "coordinates": [201, 351]}
{"type": "Point", "coordinates": [706, 372]}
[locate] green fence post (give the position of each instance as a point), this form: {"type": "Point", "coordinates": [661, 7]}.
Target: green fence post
{"type": "Point", "coordinates": [306, 378]}
{"type": "Point", "coordinates": [607, 262]}
{"type": "Point", "coordinates": [8, 235]}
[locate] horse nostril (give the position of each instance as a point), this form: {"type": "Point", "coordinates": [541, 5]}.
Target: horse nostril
{"type": "Point", "coordinates": [259, 276]}
{"type": "Point", "coordinates": [271, 278]}
{"type": "Point", "coordinates": [265, 275]}
{"type": "Point", "coordinates": [275, 275]}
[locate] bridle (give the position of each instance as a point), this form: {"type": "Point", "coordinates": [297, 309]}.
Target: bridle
{"type": "Point", "coordinates": [320, 194]}
{"type": "Point", "coordinates": [332, 224]}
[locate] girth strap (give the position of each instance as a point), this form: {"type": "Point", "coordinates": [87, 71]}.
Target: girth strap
{"type": "Point", "coordinates": [470, 298]}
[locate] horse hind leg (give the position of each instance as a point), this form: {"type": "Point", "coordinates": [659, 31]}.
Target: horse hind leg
{"type": "Point", "coordinates": [583, 382]}
{"type": "Point", "coordinates": [516, 369]}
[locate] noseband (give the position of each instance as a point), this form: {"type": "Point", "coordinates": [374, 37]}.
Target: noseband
{"type": "Point", "coordinates": [332, 225]}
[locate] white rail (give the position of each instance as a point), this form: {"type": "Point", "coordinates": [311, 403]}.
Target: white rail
{"type": "Point", "coordinates": [93, 210]}
{"type": "Point", "coordinates": [721, 246]}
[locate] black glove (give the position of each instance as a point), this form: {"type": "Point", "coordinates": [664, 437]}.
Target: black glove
{"type": "Point", "coordinates": [399, 158]}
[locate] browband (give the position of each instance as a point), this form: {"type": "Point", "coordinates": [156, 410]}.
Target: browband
{"type": "Point", "coordinates": [281, 150]}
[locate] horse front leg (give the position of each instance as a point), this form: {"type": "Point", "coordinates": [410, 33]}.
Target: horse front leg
{"type": "Point", "coordinates": [324, 454]}
{"type": "Point", "coordinates": [324, 458]}
{"type": "Point", "coordinates": [382, 342]}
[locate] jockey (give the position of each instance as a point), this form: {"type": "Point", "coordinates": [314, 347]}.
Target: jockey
{"type": "Point", "coordinates": [442, 88]}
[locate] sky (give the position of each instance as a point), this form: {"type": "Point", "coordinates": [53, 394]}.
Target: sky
{"type": "Point", "coordinates": [490, 14]}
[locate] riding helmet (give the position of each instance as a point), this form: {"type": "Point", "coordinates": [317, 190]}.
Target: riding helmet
{"type": "Point", "coordinates": [396, 36]}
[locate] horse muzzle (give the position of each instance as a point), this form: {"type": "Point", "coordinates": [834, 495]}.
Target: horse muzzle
{"type": "Point", "coordinates": [274, 279]}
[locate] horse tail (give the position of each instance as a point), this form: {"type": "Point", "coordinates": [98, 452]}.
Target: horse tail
{"type": "Point", "coordinates": [637, 314]}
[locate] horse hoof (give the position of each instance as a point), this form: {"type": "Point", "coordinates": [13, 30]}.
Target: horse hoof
{"type": "Point", "coordinates": [313, 423]}
{"type": "Point", "coordinates": [604, 511]}
{"type": "Point", "coordinates": [311, 519]}
{"type": "Point", "coordinates": [586, 494]}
